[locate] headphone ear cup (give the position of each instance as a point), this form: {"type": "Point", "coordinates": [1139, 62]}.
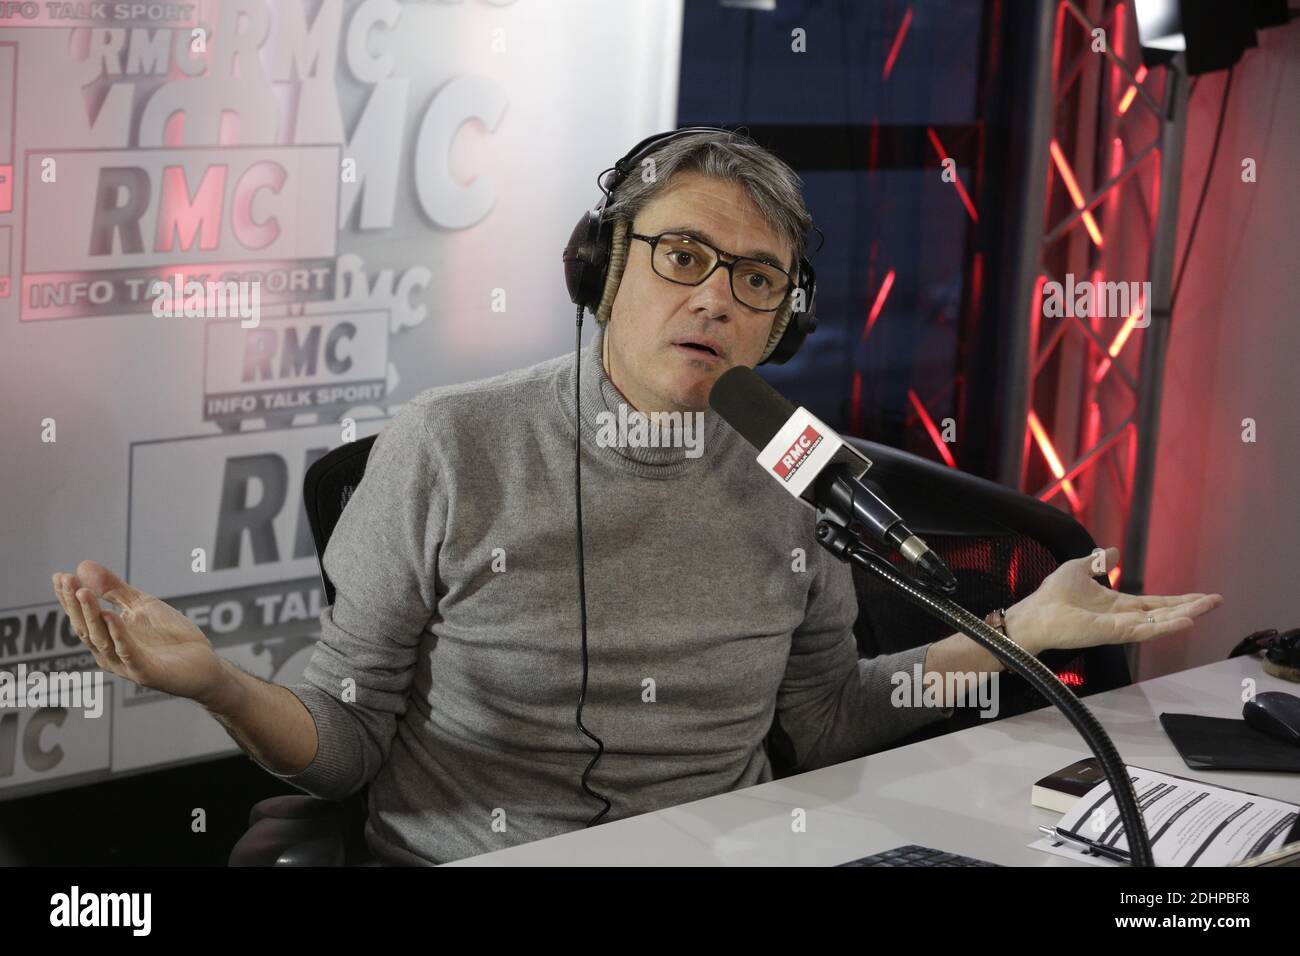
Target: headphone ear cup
{"type": "Point", "coordinates": [808, 317]}
{"type": "Point", "coordinates": [586, 260]}
{"type": "Point", "coordinates": [801, 323]}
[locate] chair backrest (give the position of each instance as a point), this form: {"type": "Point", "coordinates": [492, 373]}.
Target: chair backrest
{"type": "Point", "coordinates": [999, 544]}
{"type": "Point", "coordinates": [327, 486]}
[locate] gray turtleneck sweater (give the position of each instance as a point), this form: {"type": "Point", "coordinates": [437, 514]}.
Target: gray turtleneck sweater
{"type": "Point", "coordinates": [448, 668]}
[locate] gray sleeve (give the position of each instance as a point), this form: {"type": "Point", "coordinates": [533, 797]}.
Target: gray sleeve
{"type": "Point", "coordinates": [832, 705]}
{"type": "Point", "coordinates": [382, 560]}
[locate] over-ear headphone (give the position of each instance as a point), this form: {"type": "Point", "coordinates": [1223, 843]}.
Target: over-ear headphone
{"type": "Point", "coordinates": [591, 251]}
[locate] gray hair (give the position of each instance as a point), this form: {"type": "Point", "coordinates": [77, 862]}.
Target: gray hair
{"type": "Point", "coordinates": [770, 183]}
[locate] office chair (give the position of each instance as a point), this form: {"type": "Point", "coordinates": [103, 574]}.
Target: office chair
{"type": "Point", "coordinates": [1000, 545]}
{"type": "Point", "coordinates": [299, 829]}
{"type": "Point", "coordinates": [997, 542]}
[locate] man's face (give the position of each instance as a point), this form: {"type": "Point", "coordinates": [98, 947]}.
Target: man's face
{"type": "Point", "coordinates": [651, 315]}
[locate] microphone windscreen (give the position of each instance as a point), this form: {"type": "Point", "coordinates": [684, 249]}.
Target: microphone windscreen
{"type": "Point", "coordinates": [750, 405]}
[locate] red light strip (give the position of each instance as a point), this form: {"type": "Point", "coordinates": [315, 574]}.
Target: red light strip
{"type": "Point", "coordinates": [1116, 159]}
{"type": "Point", "coordinates": [1072, 187]}
{"type": "Point", "coordinates": [1036, 313]}
{"type": "Point", "coordinates": [1127, 101]}
{"type": "Point", "coordinates": [1131, 465]}
{"type": "Point", "coordinates": [855, 405]}
{"type": "Point", "coordinates": [1118, 342]}
{"type": "Point", "coordinates": [879, 304]}
{"type": "Point", "coordinates": [1035, 322]}
{"type": "Point", "coordinates": [928, 422]}
{"type": "Point", "coordinates": [956, 179]}
{"type": "Point", "coordinates": [1053, 460]}
{"type": "Point", "coordinates": [1090, 441]}
{"type": "Point", "coordinates": [1155, 181]}
{"type": "Point", "coordinates": [1056, 42]}
{"type": "Point", "coordinates": [897, 44]}
{"type": "Point", "coordinates": [1096, 323]}
{"type": "Point", "coordinates": [1117, 42]}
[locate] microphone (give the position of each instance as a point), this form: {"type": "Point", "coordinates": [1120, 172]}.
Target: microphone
{"type": "Point", "coordinates": [816, 465]}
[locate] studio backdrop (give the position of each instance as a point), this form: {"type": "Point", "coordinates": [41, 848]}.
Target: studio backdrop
{"type": "Point", "coordinates": [235, 234]}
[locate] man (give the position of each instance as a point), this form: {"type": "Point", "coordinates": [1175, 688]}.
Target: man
{"type": "Point", "coordinates": [448, 667]}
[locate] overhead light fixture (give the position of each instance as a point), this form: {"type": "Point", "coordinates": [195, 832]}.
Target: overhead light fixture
{"type": "Point", "coordinates": [1211, 33]}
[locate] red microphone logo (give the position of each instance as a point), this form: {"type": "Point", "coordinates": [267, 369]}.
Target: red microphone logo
{"type": "Point", "coordinates": [797, 453]}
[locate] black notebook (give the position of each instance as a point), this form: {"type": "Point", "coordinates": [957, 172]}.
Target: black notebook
{"type": "Point", "coordinates": [1220, 743]}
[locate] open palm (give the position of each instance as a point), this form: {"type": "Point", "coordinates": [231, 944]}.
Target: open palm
{"type": "Point", "coordinates": [148, 641]}
{"type": "Point", "coordinates": [1071, 610]}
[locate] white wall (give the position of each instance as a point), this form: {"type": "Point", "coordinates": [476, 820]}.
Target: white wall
{"type": "Point", "coordinates": [1225, 514]}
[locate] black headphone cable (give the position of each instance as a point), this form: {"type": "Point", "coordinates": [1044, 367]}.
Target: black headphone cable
{"type": "Point", "coordinates": [582, 574]}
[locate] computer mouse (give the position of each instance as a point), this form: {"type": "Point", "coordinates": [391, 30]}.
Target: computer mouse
{"type": "Point", "coordinates": [1276, 714]}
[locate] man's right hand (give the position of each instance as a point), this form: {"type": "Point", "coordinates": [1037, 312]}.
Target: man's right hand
{"type": "Point", "coordinates": [148, 642]}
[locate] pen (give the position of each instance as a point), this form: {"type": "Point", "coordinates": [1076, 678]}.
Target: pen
{"type": "Point", "coordinates": [1097, 849]}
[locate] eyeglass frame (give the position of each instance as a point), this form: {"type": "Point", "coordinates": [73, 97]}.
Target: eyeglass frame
{"type": "Point", "coordinates": [653, 242]}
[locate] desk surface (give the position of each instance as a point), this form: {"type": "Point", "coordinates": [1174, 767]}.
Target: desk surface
{"type": "Point", "coordinates": [965, 792]}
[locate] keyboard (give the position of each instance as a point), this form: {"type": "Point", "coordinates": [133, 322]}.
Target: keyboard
{"type": "Point", "coordinates": [913, 855]}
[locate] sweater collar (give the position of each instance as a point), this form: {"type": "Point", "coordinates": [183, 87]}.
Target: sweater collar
{"type": "Point", "coordinates": [613, 430]}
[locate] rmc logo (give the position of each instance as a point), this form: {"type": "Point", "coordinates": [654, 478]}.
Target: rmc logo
{"type": "Point", "coordinates": [797, 453]}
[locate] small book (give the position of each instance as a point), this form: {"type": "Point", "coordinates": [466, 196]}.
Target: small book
{"type": "Point", "coordinates": [1060, 790]}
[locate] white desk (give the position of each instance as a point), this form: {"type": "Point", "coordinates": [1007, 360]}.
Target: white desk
{"type": "Point", "coordinates": [965, 792]}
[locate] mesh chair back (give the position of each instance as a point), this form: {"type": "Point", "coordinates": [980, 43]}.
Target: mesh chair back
{"type": "Point", "coordinates": [328, 485]}
{"type": "Point", "coordinates": [1000, 545]}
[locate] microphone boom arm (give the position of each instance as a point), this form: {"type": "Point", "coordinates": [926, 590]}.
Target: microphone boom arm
{"type": "Point", "coordinates": [845, 546]}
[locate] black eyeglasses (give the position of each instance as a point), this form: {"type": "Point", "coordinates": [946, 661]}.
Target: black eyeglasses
{"type": "Point", "coordinates": [686, 260]}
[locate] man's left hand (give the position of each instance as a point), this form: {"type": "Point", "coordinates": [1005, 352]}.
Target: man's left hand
{"type": "Point", "coordinates": [1071, 610]}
